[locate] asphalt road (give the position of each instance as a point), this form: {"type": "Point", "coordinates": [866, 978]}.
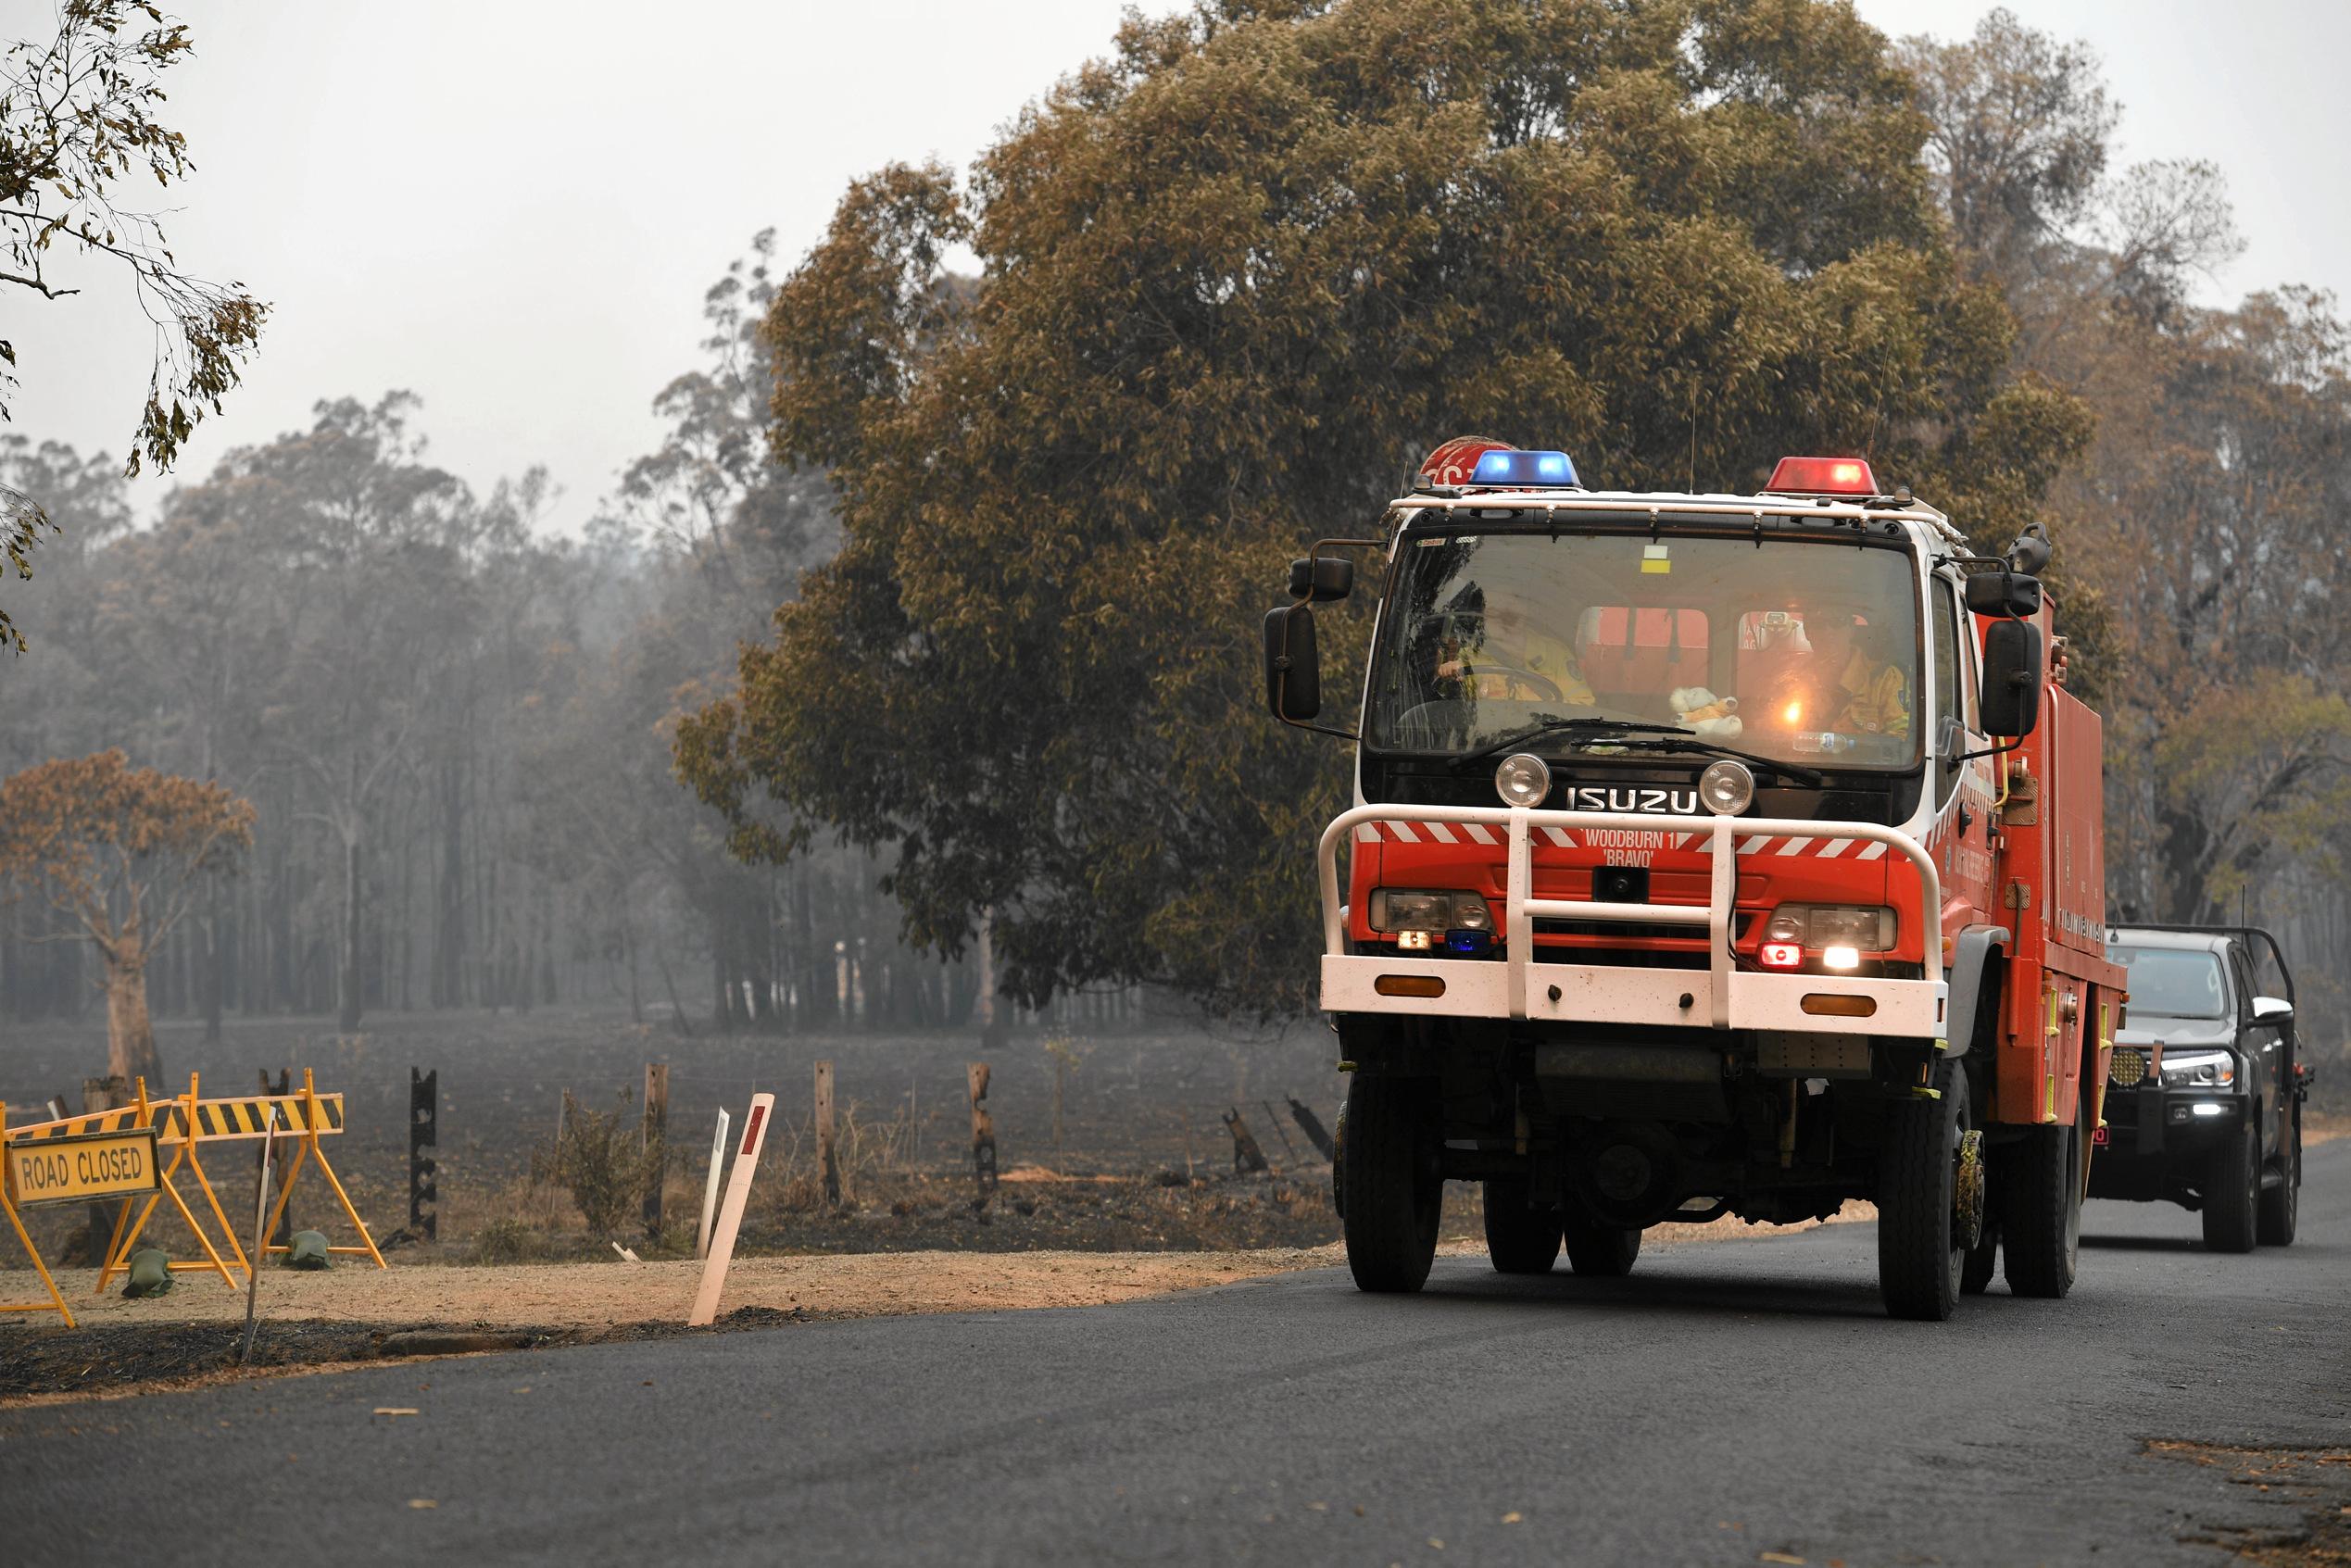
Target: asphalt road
{"type": "Point", "coordinates": [1728, 1401]}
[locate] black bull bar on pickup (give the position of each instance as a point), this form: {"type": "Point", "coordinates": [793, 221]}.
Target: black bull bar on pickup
{"type": "Point", "coordinates": [1731, 998]}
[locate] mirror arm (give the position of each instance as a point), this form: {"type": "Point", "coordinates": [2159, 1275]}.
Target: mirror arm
{"type": "Point", "coordinates": [1314, 553]}
{"type": "Point", "coordinates": [1988, 751]}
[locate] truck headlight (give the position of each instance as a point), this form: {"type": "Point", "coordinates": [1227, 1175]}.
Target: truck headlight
{"type": "Point", "coordinates": [1523, 779]}
{"type": "Point", "coordinates": [2193, 1070]}
{"type": "Point", "coordinates": [1861, 928]}
{"type": "Point", "coordinates": [1398, 910]}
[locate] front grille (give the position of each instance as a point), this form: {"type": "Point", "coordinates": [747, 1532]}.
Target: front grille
{"type": "Point", "coordinates": [2127, 1067]}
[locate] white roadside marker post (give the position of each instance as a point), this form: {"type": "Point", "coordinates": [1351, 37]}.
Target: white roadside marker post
{"type": "Point", "coordinates": [710, 1188]}
{"type": "Point", "coordinates": [739, 1189]}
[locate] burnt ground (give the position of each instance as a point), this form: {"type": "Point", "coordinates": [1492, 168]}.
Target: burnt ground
{"type": "Point", "coordinates": [1144, 1106]}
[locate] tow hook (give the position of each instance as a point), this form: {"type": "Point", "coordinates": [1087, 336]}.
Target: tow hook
{"type": "Point", "coordinates": [1967, 1192]}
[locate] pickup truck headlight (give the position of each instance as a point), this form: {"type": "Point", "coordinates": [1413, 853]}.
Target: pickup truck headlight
{"type": "Point", "coordinates": [1401, 910]}
{"type": "Point", "coordinates": [2199, 1069]}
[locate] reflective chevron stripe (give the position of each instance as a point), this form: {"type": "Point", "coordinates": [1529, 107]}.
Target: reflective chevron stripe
{"type": "Point", "coordinates": [245, 1117]}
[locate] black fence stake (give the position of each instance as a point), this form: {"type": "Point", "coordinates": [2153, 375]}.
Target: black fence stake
{"type": "Point", "coordinates": [425, 1132]}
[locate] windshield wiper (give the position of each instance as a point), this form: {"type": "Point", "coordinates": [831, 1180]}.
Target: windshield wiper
{"type": "Point", "coordinates": [1655, 737]}
{"type": "Point", "coordinates": [1541, 727]}
{"type": "Point", "coordinates": [1686, 742]}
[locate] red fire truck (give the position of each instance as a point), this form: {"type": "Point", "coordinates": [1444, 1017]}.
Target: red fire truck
{"type": "Point", "coordinates": [1711, 855]}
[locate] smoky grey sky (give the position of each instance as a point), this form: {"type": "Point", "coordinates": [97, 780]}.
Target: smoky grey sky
{"type": "Point", "coordinates": [513, 208]}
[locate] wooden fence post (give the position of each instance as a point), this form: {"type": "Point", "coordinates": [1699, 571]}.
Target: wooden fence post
{"type": "Point", "coordinates": [983, 1134]}
{"type": "Point", "coordinates": [654, 1136]}
{"type": "Point", "coordinates": [827, 1162]}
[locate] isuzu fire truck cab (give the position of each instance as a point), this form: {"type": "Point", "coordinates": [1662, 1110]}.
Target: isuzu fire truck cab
{"type": "Point", "coordinates": [1711, 855]}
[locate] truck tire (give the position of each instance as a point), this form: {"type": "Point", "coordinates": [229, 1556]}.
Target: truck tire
{"type": "Point", "coordinates": [1983, 1262]}
{"type": "Point", "coordinates": [2281, 1205]}
{"type": "Point", "coordinates": [2232, 1193]}
{"type": "Point", "coordinates": [1598, 1251]}
{"type": "Point", "coordinates": [2041, 1216]}
{"type": "Point", "coordinates": [1919, 1258]}
{"type": "Point", "coordinates": [1394, 1194]}
{"type": "Point", "coordinates": [1520, 1238]}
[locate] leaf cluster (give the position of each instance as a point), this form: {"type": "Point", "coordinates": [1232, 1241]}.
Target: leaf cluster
{"type": "Point", "coordinates": [78, 118]}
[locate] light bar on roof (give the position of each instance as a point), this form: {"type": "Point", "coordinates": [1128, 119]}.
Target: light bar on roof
{"type": "Point", "coordinates": [1822, 476]}
{"type": "Point", "coordinates": [1526, 471]}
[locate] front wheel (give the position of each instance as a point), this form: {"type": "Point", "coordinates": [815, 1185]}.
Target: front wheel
{"type": "Point", "coordinates": [1393, 1194]}
{"type": "Point", "coordinates": [2281, 1205]}
{"type": "Point", "coordinates": [1921, 1250]}
{"type": "Point", "coordinates": [2232, 1193]}
{"type": "Point", "coordinates": [1520, 1238]}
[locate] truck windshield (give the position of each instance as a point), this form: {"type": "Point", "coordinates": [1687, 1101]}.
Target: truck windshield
{"type": "Point", "coordinates": [2174, 982]}
{"type": "Point", "coordinates": [1797, 648]}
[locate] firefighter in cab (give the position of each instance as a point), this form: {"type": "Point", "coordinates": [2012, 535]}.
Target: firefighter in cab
{"type": "Point", "coordinates": [1503, 651]}
{"type": "Point", "coordinates": [1845, 686]}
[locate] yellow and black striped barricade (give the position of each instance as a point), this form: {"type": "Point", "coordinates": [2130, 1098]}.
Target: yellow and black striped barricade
{"type": "Point", "coordinates": [70, 1168]}
{"type": "Point", "coordinates": [144, 1115]}
{"type": "Point", "coordinates": [190, 1122]}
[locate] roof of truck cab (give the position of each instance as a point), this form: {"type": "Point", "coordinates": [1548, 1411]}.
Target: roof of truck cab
{"type": "Point", "coordinates": [1685, 503]}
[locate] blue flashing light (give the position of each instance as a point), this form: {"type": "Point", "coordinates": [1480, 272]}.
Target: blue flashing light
{"type": "Point", "coordinates": [1526, 471]}
{"type": "Point", "coordinates": [1470, 943]}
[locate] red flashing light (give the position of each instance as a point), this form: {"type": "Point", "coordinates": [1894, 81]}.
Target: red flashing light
{"type": "Point", "coordinates": [1780, 955]}
{"type": "Point", "coordinates": [1822, 476]}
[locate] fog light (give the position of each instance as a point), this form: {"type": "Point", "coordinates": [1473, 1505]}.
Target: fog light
{"type": "Point", "coordinates": [2207, 1108]}
{"type": "Point", "coordinates": [1841, 957]}
{"type": "Point", "coordinates": [1523, 779]}
{"type": "Point", "coordinates": [1412, 941]}
{"type": "Point", "coordinates": [1726, 788]}
{"type": "Point", "coordinates": [1780, 955]}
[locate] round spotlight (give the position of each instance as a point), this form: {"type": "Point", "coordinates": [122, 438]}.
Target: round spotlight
{"type": "Point", "coordinates": [2127, 1067]}
{"type": "Point", "coordinates": [1523, 779]}
{"type": "Point", "coordinates": [1726, 787]}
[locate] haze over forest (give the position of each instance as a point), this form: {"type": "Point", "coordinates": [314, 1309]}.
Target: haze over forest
{"type": "Point", "coordinates": [1027, 491]}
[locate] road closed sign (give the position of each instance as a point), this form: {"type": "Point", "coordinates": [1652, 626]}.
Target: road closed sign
{"type": "Point", "coordinates": [74, 1170]}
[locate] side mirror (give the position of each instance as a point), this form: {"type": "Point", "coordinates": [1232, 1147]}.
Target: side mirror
{"type": "Point", "coordinates": [2273, 1009]}
{"type": "Point", "coordinates": [2003, 592]}
{"type": "Point", "coordinates": [1322, 579]}
{"type": "Point", "coordinates": [1293, 672]}
{"type": "Point", "coordinates": [2011, 678]}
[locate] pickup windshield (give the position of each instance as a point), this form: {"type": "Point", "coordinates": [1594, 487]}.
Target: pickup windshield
{"type": "Point", "coordinates": [2174, 982]}
{"type": "Point", "coordinates": [1800, 649]}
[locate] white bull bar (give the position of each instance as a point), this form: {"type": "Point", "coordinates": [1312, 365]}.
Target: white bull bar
{"type": "Point", "coordinates": [1733, 998]}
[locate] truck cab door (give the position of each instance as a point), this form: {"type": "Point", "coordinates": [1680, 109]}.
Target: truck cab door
{"type": "Point", "coordinates": [1963, 852]}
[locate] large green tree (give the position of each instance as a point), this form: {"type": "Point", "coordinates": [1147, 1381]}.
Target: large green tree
{"type": "Point", "coordinates": [1236, 279]}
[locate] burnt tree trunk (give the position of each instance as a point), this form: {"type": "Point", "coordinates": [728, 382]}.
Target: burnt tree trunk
{"type": "Point", "coordinates": [353, 993]}
{"type": "Point", "coordinates": [131, 1053]}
